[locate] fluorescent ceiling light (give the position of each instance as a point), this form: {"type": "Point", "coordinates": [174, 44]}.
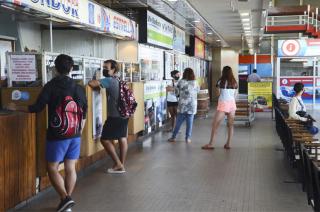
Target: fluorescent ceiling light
{"type": "Point", "coordinates": [172, 0]}
{"type": "Point", "coordinates": [245, 19]}
{"type": "Point", "coordinates": [209, 33]}
{"type": "Point", "coordinates": [246, 28]}
{"type": "Point", "coordinates": [196, 21]}
{"type": "Point", "coordinates": [244, 14]}
{"type": "Point", "coordinates": [218, 40]}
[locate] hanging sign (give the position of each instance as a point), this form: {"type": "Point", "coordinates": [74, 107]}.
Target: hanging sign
{"type": "Point", "coordinates": [179, 40]}
{"type": "Point", "coordinates": [159, 31]}
{"type": "Point", "coordinates": [300, 48]}
{"type": "Point", "coordinates": [198, 48]}
{"type": "Point", "coordinates": [23, 68]}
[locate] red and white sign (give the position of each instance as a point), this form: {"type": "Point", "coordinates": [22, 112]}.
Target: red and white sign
{"type": "Point", "coordinates": [290, 47]}
{"type": "Point", "coordinates": [23, 68]}
{"type": "Point", "coordinates": [286, 81]}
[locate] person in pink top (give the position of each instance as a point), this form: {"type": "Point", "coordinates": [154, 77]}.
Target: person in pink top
{"type": "Point", "coordinates": [228, 87]}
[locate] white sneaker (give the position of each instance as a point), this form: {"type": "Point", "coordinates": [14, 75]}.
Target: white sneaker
{"type": "Point", "coordinates": [114, 171]}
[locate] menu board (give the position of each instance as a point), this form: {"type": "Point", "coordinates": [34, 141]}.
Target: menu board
{"type": "Point", "coordinates": [179, 40]}
{"type": "Point", "coordinates": [23, 68]}
{"type": "Point", "coordinates": [159, 31]}
{"type": "Point", "coordinates": [198, 48]}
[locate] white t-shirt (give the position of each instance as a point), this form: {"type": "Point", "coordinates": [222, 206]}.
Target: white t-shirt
{"type": "Point", "coordinates": [171, 96]}
{"type": "Point", "coordinates": [296, 104]}
{"type": "Point", "coordinates": [226, 94]}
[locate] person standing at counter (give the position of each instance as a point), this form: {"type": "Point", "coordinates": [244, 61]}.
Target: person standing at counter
{"type": "Point", "coordinates": [254, 77]}
{"type": "Point", "coordinates": [172, 99]}
{"type": "Point", "coordinates": [115, 127]}
{"type": "Point", "coordinates": [187, 90]}
{"type": "Point", "coordinates": [67, 108]}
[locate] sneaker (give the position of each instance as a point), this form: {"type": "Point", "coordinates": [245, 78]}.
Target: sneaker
{"type": "Point", "coordinates": [116, 171]}
{"type": "Point", "coordinates": [65, 204]}
{"type": "Point", "coordinates": [188, 141]}
{"type": "Point", "coordinates": [171, 140]}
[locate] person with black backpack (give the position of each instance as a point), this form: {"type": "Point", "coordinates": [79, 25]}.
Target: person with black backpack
{"type": "Point", "coordinates": [67, 108]}
{"type": "Point", "coordinates": [121, 105]}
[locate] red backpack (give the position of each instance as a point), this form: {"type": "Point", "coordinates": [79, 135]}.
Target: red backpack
{"type": "Point", "coordinates": [67, 118]}
{"type": "Point", "coordinates": [127, 104]}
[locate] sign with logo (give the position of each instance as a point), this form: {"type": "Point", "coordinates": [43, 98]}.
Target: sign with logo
{"type": "Point", "coordinates": [18, 95]}
{"type": "Point", "coordinates": [66, 9]}
{"type": "Point", "coordinates": [23, 68]}
{"type": "Point", "coordinates": [300, 48]}
{"type": "Point", "coordinates": [198, 48]}
{"type": "Point", "coordinates": [286, 88]}
{"type": "Point", "coordinates": [159, 31]}
{"type": "Point", "coordinates": [179, 40]}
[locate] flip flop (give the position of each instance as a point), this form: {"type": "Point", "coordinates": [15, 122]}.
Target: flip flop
{"type": "Point", "coordinates": [116, 171]}
{"type": "Point", "coordinates": [207, 147]}
{"type": "Point", "coordinates": [226, 147]}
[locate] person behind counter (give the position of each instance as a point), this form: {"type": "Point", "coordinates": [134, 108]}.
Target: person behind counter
{"type": "Point", "coordinates": [254, 77]}
{"type": "Point", "coordinates": [187, 90]}
{"type": "Point", "coordinates": [115, 127]}
{"type": "Point", "coordinates": [172, 99]}
{"type": "Point", "coordinates": [226, 107]}
{"type": "Point", "coordinates": [298, 110]}
{"type": "Point", "coordinates": [63, 145]}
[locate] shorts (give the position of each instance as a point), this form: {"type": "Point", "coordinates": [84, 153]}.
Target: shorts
{"type": "Point", "coordinates": [172, 104]}
{"type": "Point", "coordinates": [115, 128]}
{"type": "Point", "coordinates": [227, 106]}
{"type": "Point", "coordinates": [60, 150]}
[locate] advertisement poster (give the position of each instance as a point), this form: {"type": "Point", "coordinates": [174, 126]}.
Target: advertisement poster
{"type": "Point", "coordinates": [96, 114]}
{"type": "Point", "coordinates": [286, 88]}
{"type": "Point", "coordinates": [179, 40]}
{"type": "Point", "coordinates": [159, 31]}
{"type": "Point", "coordinates": [155, 105]}
{"type": "Point", "coordinates": [261, 92]}
{"type": "Point", "coordinates": [208, 53]}
{"type": "Point", "coordinates": [23, 68]}
{"type": "Point", "coordinates": [198, 48]}
{"type": "Point", "coordinates": [168, 65]}
{"type": "Point", "coordinates": [152, 65]}
{"type": "Point", "coordinates": [301, 48]}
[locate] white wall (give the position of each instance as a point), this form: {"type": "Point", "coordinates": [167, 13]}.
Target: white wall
{"type": "Point", "coordinates": [230, 57]}
{"type": "Point", "coordinates": [29, 36]}
{"type": "Point", "coordinates": [79, 42]}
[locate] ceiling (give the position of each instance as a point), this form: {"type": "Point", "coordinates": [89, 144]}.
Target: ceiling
{"type": "Point", "coordinates": [220, 18]}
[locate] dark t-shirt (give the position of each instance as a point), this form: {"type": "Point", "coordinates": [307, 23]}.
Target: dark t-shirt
{"type": "Point", "coordinates": [51, 92]}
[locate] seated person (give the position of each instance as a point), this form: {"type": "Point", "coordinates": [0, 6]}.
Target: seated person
{"type": "Point", "coordinates": [297, 109]}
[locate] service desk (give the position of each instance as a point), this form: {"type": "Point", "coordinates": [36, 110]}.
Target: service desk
{"type": "Point", "coordinates": [17, 158]}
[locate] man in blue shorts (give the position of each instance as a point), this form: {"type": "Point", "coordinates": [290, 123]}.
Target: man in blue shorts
{"type": "Point", "coordinates": [63, 144]}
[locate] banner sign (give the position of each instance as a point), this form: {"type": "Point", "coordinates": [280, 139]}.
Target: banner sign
{"type": "Point", "coordinates": [198, 48]}
{"type": "Point", "coordinates": [261, 93]}
{"type": "Point", "coordinates": [84, 12]}
{"type": "Point", "coordinates": [179, 40]}
{"type": "Point", "coordinates": [286, 88]}
{"type": "Point", "coordinates": [300, 48]}
{"type": "Point", "coordinates": [159, 31]}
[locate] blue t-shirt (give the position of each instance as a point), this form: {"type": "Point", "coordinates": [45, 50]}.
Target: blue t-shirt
{"type": "Point", "coordinates": [112, 87]}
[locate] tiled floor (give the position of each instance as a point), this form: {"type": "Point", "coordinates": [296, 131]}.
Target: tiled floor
{"type": "Point", "coordinates": [252, 176]}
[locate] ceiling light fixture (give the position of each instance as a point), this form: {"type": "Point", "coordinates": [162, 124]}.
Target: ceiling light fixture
{"type": "Point", "coordinates": [244, 14]}
{"type": "Point", "coordinates": [196, 21]}
{"type": "Point", "coordinates": [218, 40]}
{"type": "Point", "coordinates": [245, 19]}
{"type": "Point", "coordinates": [209, 33]}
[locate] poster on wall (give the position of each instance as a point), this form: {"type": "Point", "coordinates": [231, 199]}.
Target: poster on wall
{"type": "Point", "coordinates": [179, 40]}
{"type": "Point", "coordinates": [5, 46]}
{"type": "Point", "coordinates": [301, 48]}
{"type": "Point", "coordinates": [151, 60]}
{"type": "Point", "coordinates": [168, 64]}
{"type": "Point", "coordinates": [261, 93]}
{"type": "Point", "coordinates": [198, 48]}
{"type": "Point", "coordinates": [159, 31]}
{"type": "Point", "coordinates": [286, 88]}
{"type": "Point", "coordinates": [96, 114]}
{"type": "Point", "coordinates": [155, 104]}
{"type": "Point", "coordinates": [23, 68]}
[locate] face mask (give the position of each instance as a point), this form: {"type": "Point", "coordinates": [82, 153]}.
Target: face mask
{"type": "Point", "coordinates": [176, 78]}
{"type": "Point", "coordinates": [105, 73]}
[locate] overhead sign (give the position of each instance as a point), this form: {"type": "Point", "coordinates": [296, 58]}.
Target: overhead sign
{"type": "Point", "coordinates": [84, 12]}
{"type": "Point", "coordinates": [300, 48]}
{"type": "Point", "coordinates": [159, 31]}
{"type": "Point", "coordinates": [23, 68]}
{"type": "Point", "coordinates": [179, 40]}
{"type": "Point", "coordinates": [198, 48]}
